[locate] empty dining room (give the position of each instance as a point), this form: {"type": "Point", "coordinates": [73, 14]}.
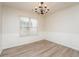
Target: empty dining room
{"type": "Point", "coordinates": [39, 29]}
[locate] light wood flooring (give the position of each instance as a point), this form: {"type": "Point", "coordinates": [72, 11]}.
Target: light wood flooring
{"type": "Point", "coordinates": [41, 48]}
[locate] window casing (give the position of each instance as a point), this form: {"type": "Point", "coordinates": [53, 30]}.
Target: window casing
{"type": "Point", "coordinates": [28, 26]}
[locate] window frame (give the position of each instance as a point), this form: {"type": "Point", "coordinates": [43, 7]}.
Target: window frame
{"type": "Point", "coordinates": [31, 28]}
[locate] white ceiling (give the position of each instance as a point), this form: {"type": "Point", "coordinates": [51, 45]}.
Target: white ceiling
{"type": "Point", "coordinates": [28, 6]}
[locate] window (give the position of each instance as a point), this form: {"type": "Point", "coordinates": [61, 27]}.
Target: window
{"type": "Point", "coordinates": [28, 26]}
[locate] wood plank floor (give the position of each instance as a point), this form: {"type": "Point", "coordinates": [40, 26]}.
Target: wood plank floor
{"type": "Point", "coordinates": [41, 48]}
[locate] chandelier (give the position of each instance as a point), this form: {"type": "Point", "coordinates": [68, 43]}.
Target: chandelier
{"type": "Point", "coordinates": [41, 9]}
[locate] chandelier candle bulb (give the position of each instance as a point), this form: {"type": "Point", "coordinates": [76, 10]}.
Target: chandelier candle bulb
{"type": "Point", "coordinates": [45, 6]}
{"type": "Point", "coordinates": [35, 7]}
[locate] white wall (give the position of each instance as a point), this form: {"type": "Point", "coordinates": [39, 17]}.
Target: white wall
{"type": "Point", "coordinates": [11, 25]}
{"type": "Point", "coordinates": [0, 27]}
{"type": "Point", "coordinates": [63, 27]}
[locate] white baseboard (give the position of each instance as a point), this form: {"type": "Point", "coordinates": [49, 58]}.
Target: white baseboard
{"type": "Point", "coordinates": [67, 39]}
{"type": "Point", "coordinates": [12, 40]}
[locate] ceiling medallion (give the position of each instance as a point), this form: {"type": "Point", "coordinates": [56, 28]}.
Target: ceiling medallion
{"type": "Point", "coordinates": [41, 9]}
